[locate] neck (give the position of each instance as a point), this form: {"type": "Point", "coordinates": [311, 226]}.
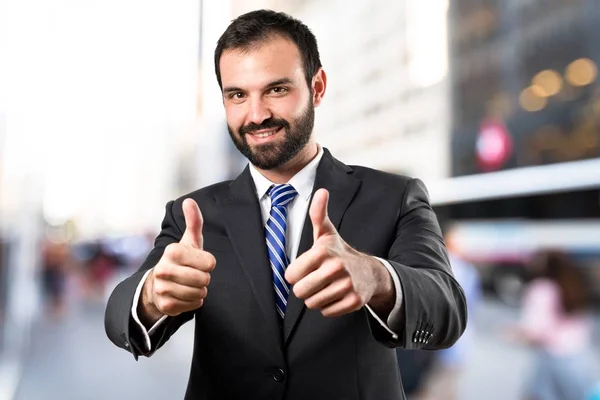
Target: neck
{"type": "Point", "coordinates": [284, 173]}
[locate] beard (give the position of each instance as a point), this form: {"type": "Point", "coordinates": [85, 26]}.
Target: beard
{"type": "Point", "coordinates": [273, 155]}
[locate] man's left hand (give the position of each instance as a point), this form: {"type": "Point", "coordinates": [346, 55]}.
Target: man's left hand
{"type": "Point", "coordinates": [335, 278]}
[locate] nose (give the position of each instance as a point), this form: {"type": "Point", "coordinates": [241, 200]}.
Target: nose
{"type": "Point", "coordinates": [259, 111]}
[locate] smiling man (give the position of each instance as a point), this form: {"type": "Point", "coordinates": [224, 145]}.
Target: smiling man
{"type": "Point", "coordinates": [262, 91]}
{"type": "Point", "coordinates": [303, 274]}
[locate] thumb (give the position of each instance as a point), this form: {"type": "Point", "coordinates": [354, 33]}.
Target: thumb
{"type": "Point", "coordinates": [193, 224]}
{"type": "Point", "coordinates": [318, 215]}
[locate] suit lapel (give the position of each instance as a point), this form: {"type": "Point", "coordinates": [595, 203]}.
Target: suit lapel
{"type": "Point", "coordinates": [337, 179]}
{"type": "Point", "coordinates": [243, 221]}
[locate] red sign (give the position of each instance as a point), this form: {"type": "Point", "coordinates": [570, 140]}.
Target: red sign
{"type": "Point", "coordinates": [493, 146]}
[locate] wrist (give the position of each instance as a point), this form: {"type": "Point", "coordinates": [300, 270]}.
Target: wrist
{"type": "Point", "coordinates": [147, 310]}
{"type": "Point", "coordinates": [384, 296]}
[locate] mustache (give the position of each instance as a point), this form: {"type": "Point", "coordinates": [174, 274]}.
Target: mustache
{"type": "Point", "coordinates": [267, 124]}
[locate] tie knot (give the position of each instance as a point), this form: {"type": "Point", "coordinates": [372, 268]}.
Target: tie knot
{"type": "Point", "coordinates": [281, 195]}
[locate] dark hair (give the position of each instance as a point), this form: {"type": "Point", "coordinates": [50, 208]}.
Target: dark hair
{"type": "Point", "coordinates": [562, 269]}
{"type": "Point", "coordinates": [257, 27]}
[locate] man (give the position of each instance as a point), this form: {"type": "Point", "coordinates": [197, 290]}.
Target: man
{"type": "Point", "coordinates": [303, 273]}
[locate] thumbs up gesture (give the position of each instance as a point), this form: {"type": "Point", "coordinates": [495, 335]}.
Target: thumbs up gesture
{"type": "Point", "coordinates": [332, 276]}
{"type": "Point", "coordinates": [178, 283]}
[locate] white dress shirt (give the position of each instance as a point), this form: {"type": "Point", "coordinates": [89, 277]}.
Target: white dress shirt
{"type": "Point", "coordinates": [303, 182]}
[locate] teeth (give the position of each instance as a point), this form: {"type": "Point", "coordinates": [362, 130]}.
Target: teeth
{"type": "Point", "coordinates": [264, 135]}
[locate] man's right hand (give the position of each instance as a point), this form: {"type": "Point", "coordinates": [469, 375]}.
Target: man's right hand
{"type": "Point", "coordinates": [178, 283]}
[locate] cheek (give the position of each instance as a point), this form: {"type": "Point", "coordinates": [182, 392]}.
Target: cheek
{"type": "Point", "coordinates": [289, 107]}
{"type": "Point", "coordinates": [235, 116]}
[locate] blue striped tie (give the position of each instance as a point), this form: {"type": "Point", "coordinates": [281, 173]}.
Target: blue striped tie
{"type": "Point", "coordinates": [281, 196]}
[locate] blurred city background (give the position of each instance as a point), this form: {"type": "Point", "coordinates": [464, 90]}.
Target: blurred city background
{"type": "Point", "coordinates": [108, 109]}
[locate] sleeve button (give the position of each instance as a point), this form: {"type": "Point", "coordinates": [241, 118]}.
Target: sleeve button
{"type": "Point", "coordinates": [279, 375]}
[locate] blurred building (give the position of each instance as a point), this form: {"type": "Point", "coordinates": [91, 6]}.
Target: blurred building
{"type": "Point", "coordinates": [528, 68]}
{"type": "Point", "coordinates": [93, 107]}
{"type": "Point", "coordinates": [525, 133]}
{"type": "Point", "coordinates": [100, 127]}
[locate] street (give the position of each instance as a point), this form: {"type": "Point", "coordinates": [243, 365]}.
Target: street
{"type": "Point", "coordinates": [73, 360]}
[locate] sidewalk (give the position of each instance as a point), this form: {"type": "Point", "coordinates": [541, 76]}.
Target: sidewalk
{"type": "Point", "coordinates": [74, 360]}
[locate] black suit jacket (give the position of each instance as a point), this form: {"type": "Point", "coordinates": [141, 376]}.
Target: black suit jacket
{"type": "Point", "coordinates": [240, 349]}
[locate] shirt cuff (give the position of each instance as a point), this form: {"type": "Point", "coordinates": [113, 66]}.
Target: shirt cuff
{"type": "Point", "coordinates": [396, 314]}
{"type": "Point", "coordinates": [136, 298]}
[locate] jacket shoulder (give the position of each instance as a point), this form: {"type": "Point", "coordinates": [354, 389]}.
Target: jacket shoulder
{"type": "Point", "coordinates": [379, 177]}
{"type": "Point", "coordinates": [387, 184]}
{"type": "Point", "coordinates": [206, 193]}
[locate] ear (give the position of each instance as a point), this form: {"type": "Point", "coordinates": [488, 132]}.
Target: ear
{"type": "Point", "coordinates": [319, 84]}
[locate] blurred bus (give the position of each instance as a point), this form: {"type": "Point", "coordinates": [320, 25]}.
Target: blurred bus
{"type": "Point", "coordinates": [504, 217]}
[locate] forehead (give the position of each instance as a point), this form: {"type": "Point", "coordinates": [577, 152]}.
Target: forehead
{"type": "Point", "coordinates": [260, 64]}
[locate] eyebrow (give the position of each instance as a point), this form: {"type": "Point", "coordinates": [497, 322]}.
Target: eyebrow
{"type": "Point", "coordinates": [282, 81]}
{"type": "Point", "coordinates": [278, 82]}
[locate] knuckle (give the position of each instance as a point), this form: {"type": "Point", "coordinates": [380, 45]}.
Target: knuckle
{"type": "Point", "coordinates": [203, 293]}
{"type": "Point", "coordinates": [159, 271]}
{"type": "Point", "coordinates": [159, 288]}
{"type": "Point", "coordinates": [290, 274]}
{"type": "Point", "coordinates": [211, 262]}
{"type": "Point", "coordinates": [339, 264]}
{"type": "Point", "coordinates": [204, 279]}
{"type": "Point", "coordinates": [322, 251]}
{"type": "Point", "coordinates": [173, 251]}
{"type": "Point", "coordinates": [336, 266]}
{"type": "Point", "coordinates": [298, 290]}
{"type": "Point", "coordinates": [355, 301]}
{"type": "Point", "coordinates": [198, 301]}
{"type": "Point", "coordinates": [166, 305]}
{"type": "Point", "coordinates": [163, 271]}
{"type": "Point", "coordinates": [347, 285]}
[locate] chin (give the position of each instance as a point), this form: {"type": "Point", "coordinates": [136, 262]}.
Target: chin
{"type": "Point", "coordinates": [262, 147]}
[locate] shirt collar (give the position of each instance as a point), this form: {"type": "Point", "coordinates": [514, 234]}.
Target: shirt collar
{"type": "Point", "coordinates": [303, 181]}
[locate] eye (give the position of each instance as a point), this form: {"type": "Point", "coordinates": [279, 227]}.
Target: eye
{"type": "Point", "coordinates": [279, 90]}
{"type": "Point", "coordinates": [237, 95]}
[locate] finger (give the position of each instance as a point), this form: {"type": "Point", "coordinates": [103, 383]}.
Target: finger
{"type": "Point", "coordinates": [305, 264]}
{"type": "Point", "coordinates": [330, 294]}
{"type": "Point", "coordinates": [190, 257]}
{"type": "Point", "coordinates": [329, 272]}
{"type": "Point", "coordinates": [318, 215]}
{"type": "Point", "coordinates": [183, 275]}
{"type": "Point", "coordinates": [346, 305]}
{"type": "Point", "coordinates": [169, 305]}
{"type": "Point", "coordinates": [193, 225]}
{"type": "Point", "coordinates": [180, 292]}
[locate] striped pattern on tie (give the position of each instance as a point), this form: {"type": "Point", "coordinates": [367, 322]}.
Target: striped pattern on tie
{"type": "Point", "coordinates": [281, 196]}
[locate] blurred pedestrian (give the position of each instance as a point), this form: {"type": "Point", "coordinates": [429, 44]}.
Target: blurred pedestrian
{"type": "Point", "coordinates": [556, 322]}
{"type": "Point", "coordinates": [54, 276]}
{"type": "Point", "coordinates": [448, 365]}
{"type": "Point", "coordinates": [102, 266]}
{"type": "Point", "coordinates": [415, 367]}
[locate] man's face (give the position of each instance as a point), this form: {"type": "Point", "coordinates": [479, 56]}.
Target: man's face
{"type": "Point", "coordinates": [269, 107]}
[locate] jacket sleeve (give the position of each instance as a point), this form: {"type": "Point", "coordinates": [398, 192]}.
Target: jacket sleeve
{"type": "Point", "coordinates": [119, 324]}
{"type": "Point", "coordinates": [434, 311]}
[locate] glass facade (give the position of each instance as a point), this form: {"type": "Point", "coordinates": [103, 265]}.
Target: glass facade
{"type": "Point", "coordinates": [529, 68]}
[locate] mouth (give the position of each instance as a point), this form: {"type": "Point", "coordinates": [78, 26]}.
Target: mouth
{"type": "Point", "coordinates": [264, 135]}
